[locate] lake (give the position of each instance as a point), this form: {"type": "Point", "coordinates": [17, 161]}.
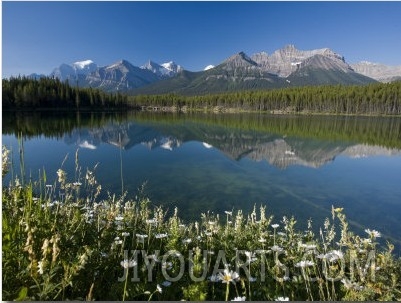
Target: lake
{"type": "Point", "coordinates": [295, 165]}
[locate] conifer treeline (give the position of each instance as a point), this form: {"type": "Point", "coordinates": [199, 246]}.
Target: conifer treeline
{"type": "Point", "coordinates": [23, 92]}
{"type": "Point", "coordinates": [378, 98]}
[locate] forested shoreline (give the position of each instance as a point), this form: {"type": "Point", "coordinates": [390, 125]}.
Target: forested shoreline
{"type": "Point", "coordinates": [372, 99]}
{"type": "Point", "coordinates": [51, 93]}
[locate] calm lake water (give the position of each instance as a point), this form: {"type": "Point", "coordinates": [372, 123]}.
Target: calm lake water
{"type": "Point", "coordinates": [295, 165]}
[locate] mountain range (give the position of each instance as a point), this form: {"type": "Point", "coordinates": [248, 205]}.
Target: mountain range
{"type": "Point", "coordinates": [286, 67]}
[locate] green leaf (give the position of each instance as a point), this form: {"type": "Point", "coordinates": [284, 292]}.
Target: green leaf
{"type": "Point", "coordinates": [22, 293]}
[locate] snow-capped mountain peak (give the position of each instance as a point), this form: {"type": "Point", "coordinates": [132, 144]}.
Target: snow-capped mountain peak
{"type": "Point", "coordinates": [150, 64]}
{"type": "Point", "coordinates": [155, 68]}
{"type": "Point", "coordinates": [74, 70]}
{"type": "Point", "coordinates": [168, 69]}
{"type": "Point", "coordinates": [84, 67]}
{"type": "Point", "coordinates": [172, 66]}
{"type": "Point", "coordinates": [82, 64]}
{"type": "Point", "coordinates": [209, 67]}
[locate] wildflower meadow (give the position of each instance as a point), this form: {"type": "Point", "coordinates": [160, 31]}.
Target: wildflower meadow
{"type": "Point", "coordinates": [61, 241]}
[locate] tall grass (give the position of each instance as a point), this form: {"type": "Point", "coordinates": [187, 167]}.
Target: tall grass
{"type": "Point", "coordinates": [62, 242]}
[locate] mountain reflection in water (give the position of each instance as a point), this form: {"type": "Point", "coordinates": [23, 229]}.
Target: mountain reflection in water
{"type": "Point", "coordinates": [280, 151]}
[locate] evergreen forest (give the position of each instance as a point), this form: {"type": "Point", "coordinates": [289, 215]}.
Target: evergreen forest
{"type": "Point", "coordinates": [49, 93]}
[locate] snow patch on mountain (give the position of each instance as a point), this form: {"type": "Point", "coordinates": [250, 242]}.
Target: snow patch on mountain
{"type": "Point", "coordinates": [163, 70]}
{"type": "Point", "coordinates": [210, 66]}
{"type": "Point", "coordinates": [83, 64]}
{"type": "Point", "coordinates": [74, 70]}
{"type": "Point", "coordinates": [172, 66]}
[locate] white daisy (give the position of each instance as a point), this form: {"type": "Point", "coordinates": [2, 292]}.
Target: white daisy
{"type": "Point", "coordinates": [239, 299]}
{"type": "Point", "coordinates": [282, 299]}
{"type": "Point", "coordinates": [141, 236]}
{"type": "Point", "coordinates": [277, 248]}
{"type": "Point", "coordinates": [304, 264]}
{"type": "Point", "coordinates": [128, 263]}
{"type": "Point", "coordinates": [167, 265]}
{"type": "Point", "coordinates": [373, 233]}
{"type": "Point", "coordinates": [334, 255]}
{"type": "Point", "coordinates": [40, 267]}
{"type": "Point", "coordinates": [251, 257]}
{"type": "Point", "coordinates": [228, 276]}
{"type": "Point", "coordinates": [307, 246]}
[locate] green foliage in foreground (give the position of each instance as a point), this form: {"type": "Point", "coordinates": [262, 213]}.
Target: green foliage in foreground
{"type": "Point", "coordinates": [61, 243]}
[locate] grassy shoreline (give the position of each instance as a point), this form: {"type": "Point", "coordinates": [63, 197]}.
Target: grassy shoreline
{"type": "Point", "coordinates": [61, 242]}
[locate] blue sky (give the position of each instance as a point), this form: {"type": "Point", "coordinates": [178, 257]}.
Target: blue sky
{"type": "Point", "coordinates": [39, 36]}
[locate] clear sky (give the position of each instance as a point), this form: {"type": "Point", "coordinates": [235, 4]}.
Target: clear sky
{"type": "Point", "coordinates": [39, 36]}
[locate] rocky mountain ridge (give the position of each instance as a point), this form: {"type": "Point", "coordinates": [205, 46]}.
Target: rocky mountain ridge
{"type": "Point", "coordinates": [286, 60]}
{"type": "Point", "coordinates": [285, 67]}
{"type": "Point", "coordinates": [120, 76]}
{"type": "Point", "coordinates": [72, 72]}
{"type": "Point", "coordinates": [377, 71]}
{"type": "Point", "coordinates": [164, 70]}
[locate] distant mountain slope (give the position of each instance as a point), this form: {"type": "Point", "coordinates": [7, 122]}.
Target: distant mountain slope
{"type": "Point", "coordinates": [377, 71]}
{"type": "Point", "coordinates": [74, 71]}
{"type": "Point", "coordinates": [164, 70]}
{"type": "Point", "coordinates": [120, 76]}
{"type": "Point", "coordinates": [172, 85]}
{"type": "Point", "coordinates": [319, 69]}
{"type": "Point", "coordinates": [286, 60]}
{"type": "Point", "coordinates": [238, 72]}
